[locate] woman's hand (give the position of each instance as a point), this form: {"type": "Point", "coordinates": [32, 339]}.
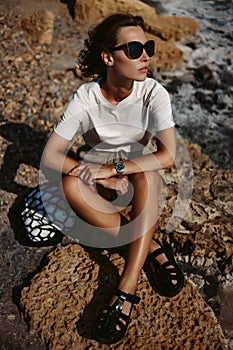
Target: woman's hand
{"type": "Point", "coordinates": [114, 183]}
{"type": "Point", "coordinates": [89, 173]}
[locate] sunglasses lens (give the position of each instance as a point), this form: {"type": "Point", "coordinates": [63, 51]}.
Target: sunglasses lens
{"type": "Point", "coordinates": [135, 50]}
{"type": "Point", "coordinates": [150, 48]}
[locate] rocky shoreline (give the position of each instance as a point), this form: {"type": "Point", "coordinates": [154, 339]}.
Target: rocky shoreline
{"type": "Point", "coordinates": [201, 87]}
{"type": "Point", "coordinates": [38, 79]}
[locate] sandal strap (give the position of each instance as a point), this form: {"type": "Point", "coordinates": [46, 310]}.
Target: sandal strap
{"type": "Point", "coordinates": [157, 252]}
{"type": "Point", "coordinates": [172, 274]}
{"type": "Point", "coordinates": [160, 250]}
{"type": "Point", "coordinates": [134, 299]}
{"type": "Point", "coordinates": [169, 263]}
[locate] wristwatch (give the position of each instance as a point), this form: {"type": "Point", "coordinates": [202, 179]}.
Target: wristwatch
{"type": "Point", "coordinates": [119, 167]}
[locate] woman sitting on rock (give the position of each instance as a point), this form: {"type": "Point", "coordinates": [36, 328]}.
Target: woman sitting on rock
{"type": "Point", "coordinates": [117, 113]}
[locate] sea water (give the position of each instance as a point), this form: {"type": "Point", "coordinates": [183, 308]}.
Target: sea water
{"type": "Point", "coordinates": [211, 124]}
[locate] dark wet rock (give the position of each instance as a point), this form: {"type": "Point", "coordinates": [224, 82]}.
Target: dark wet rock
{"type": "Point", "coordinates": [191, 44]}
{"type": "Point", "coordinates": [206, 99]}
{"type": "Point", "coordinates": [226, 77]}
{"type": "Point", "coordinates": [203, 73]}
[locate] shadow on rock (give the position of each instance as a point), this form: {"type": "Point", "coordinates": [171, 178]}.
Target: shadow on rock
{"type": "Point", "coordinates": [70, 5]}
{"type": "Point", "coordinates": [26, 147]}
{"type": "Point", "coordinates": [17, 290]}
{"type": "Point", "coordinates": [108, 280]}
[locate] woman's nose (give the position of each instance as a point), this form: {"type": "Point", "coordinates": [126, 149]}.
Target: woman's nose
{"type": "Point", "coordinates": [145, 56]}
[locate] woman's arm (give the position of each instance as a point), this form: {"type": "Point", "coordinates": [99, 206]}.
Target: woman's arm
{"type": "Point", "coordinates": [163, 158]}
{"type": "Point", "coordinates": [54, 155]}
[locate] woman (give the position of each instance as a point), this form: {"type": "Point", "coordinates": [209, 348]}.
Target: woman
{"type": "Point", "coordinates": [117, 114]}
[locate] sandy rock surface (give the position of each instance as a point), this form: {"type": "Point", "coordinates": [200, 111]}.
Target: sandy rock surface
{"type": "Point", "coordinates": [64, 299]}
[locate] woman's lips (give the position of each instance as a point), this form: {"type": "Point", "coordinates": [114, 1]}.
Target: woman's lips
{"type": "Point", "coordinates": [143, 69]}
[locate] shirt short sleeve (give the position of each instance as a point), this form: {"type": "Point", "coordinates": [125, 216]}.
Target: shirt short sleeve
{"type": "Point", "coordinates": [161, 109]}
{"type": "Point", "coordinates": [70, 120]}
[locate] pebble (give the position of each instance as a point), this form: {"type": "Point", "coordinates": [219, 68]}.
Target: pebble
{"type": "Point", "coordinates": [11, 317]}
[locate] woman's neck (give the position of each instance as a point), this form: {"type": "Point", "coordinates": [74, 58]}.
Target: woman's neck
{"type": "Point", "coordinates": [115, 92]}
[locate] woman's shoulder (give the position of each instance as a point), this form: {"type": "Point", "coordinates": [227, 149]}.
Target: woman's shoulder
{"type": "Point", "coordinates": [86, 95]}
{"type": "Point", "coordinates": [150, 83]}
{"type": "Point", "coordinates": [88, 88]}
{"type": "Point", "coordinates": [150, 87]}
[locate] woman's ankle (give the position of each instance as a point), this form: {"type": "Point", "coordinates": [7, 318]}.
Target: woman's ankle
{"type": "Point", "coordinates": [152, 247]}
{"type": "Point", "coordinates": [128, 285]}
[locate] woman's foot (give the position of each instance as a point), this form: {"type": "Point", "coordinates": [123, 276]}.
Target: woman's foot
{"type": "Point", "coordinates": [161, 258]}
{"type": "Point", "coordinates": [112, 323]}
{"type": "Point", "coordinates": [165, 275]}
{"type": "Point", "coordinates": [127, 286]}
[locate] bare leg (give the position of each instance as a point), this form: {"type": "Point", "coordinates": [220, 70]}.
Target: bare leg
{"type": "Point", "coordinates": [147, 187]}
{"type": "Point", "coordinates": [144, 218]}
{"type": "Point", "coordinates": [83, 199]}
{"type": "Point", "coordinates": [92, 207]}
{"type": "Point", "coordinates": [98, 212]}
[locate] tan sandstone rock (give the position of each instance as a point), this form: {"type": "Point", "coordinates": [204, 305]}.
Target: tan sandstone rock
{"type": "Point", "coordinates": [172, 27]}
{"type": "Point", "coordinates": [95, 10]}
{"type": "Point", "coordinates": [64, 299]}
{"type": "Point", "coordinates": [165, 27]}
{"type": "Point", "coordinates": [167, 55]}
{"type": "Point", "coordinates": [207, 224]}
{"type": "Point", "coordinates": [39, 27]}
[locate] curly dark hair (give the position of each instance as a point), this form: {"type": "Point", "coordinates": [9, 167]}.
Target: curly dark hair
{"type": "Point", "coordinates": [102, 37]}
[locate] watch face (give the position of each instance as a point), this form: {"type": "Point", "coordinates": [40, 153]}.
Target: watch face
{"type": "Point", "coordinates": [119, 166]}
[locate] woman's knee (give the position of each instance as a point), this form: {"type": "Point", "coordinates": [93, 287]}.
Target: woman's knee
{"type": "Point", "coordinates": [75, 190]}
{"type": "Point", "coordinates": [149, 180]}
{"type": "Point", "coordinates": [69, 185]}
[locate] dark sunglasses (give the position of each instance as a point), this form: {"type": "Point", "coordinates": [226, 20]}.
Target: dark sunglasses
{"type": "Point", "coordinates": [134, 49]}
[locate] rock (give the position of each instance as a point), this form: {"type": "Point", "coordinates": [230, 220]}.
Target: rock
{"type": "Point", "coordinates": [167, 55]}
{"type": "Point", "coordinates": [206, 99]}
{"type": "Point", "coordinates": [204, 73]}
{"type": "Point", "coordinates": [209, 80]}
{"type": "Point", "coordinates": [64, 299]}
{"type": "Point", "coordinates": [211, 84]}
{"type": "Point", "coordinates": [192, 45]}
{"type": "Point", "coordinates": [163, 28]}
{"type": "Point", "coordinates": [39, 27]}
{"type": "Point", "coordinates": [226, 77]}
{"type": "Point", "coordinates": [209, 214]}
{"type": "Point", "coordinates": [171, 27]}
{"type": "Point", "coordinates": [84, 10]}
{"type": "Point", "coordinates": [222, 99]}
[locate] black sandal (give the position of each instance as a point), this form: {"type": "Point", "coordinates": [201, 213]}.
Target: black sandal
{"type": "Point", "coordinates": [106, 331]}
{"type": "Point", "coordinates": [160, 275]}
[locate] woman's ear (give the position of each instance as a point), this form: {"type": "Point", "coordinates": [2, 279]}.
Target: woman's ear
{"type": "Point", "coordinates": [107, 58]}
